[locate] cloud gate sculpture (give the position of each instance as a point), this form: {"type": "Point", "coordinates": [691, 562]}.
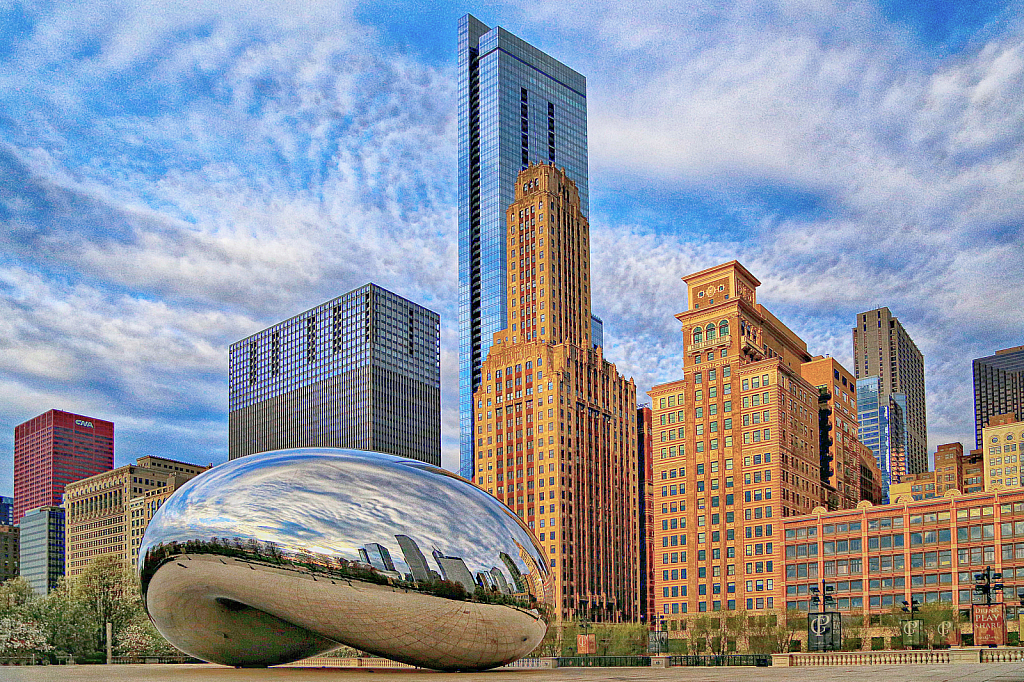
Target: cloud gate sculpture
{"type": "Point", "coordinates": [278, 556]}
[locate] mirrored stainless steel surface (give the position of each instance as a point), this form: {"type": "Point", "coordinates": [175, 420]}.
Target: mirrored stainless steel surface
{"type": "Point", "coordinates": [277, 556]}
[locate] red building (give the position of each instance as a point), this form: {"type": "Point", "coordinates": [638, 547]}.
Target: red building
{"type": "Point", "coordinates": [645, 448]}
{"type": "Point", "coordinates": [54, 449]}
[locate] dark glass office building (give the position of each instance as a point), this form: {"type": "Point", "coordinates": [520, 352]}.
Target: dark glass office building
{"type": "Point", "coordinates": [360, 371]}
{"type": "Point", "coordinates": [517, 106]}
{"type": "Point", "coordinates": [42, 548]}
{"type": "Point", "coordinates": [998, 387]}
{"type": "Point", "coordinates": [6, 511]}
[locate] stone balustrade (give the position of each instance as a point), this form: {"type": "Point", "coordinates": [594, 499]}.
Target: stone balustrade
{"type": "Point", "coordinates": [1013, 655]}
{"type": "Point", "coordinates": [906, 657]}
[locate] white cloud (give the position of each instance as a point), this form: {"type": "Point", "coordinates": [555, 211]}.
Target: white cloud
{"type": "Point", "coordinates": [193, 173]}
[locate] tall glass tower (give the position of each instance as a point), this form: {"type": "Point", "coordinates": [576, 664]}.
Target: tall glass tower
{"type": "Point", "coordinates": [882, 419]}
{"type": "Point", "coordinates": [517, 106]}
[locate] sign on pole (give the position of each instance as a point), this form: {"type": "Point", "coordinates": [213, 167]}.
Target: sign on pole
{"type": "Point", "coordinates": [586, 644]}
{"type": "Point", "coordinates": [949, 633]}
{"type": "Point", "coordinates": [913, 632]}
{"type": "Point", "coordinates": [657, 642]}
{"type": "Point", "coordinates": [824, 632]}
{"type": "Point", "coordinates": [989, 625]}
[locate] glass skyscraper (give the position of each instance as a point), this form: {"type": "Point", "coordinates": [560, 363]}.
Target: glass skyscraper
{"type": "Point", "coordinates": [998, 387]}
{"type": "Point", "coordinates": [360, 371]}
{"type": "Point", "coordinates": [517, 106]}
{"type": "Point", "coordinates": [881, 429]}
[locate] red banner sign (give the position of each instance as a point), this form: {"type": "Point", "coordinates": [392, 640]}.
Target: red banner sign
{"type": "Point", "coordinates": [989, 625]}
{"type": "Point", "coordinates": [586, 644]}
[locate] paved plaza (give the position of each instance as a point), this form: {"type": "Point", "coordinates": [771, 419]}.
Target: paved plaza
{"type": "Point", "coordinates": [983, 672]}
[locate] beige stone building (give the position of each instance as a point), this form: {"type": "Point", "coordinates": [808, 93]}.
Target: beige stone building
{"type": "Point", "coordinates": [948, 474]}
{"type": "Point", "coordinates": [736, 451]}
{"type": "Point", "coordinates": [105, 514]}
{"type": "Point", "coordinates": [1000, 445]}
{"type": "Point", "coordinates": [554, 422]}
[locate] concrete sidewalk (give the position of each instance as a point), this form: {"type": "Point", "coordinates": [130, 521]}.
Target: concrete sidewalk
{"type": "Point", "coordinates": [984, 672]}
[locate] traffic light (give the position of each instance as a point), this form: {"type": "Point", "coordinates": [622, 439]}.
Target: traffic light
{"type": "Point", "coordinates": [987, 583]}
{"type": "Point", "coordinates": [823, 595]}
{"type": "Point", "coordinates": [911, 606]}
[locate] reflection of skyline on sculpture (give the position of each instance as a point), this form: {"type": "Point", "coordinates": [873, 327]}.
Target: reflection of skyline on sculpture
{"type": "Point", "coordinates": [274, 556]}
{"type": "Point", "coordinates": [411, 495]}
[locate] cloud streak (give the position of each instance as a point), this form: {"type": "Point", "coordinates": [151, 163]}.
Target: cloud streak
{"type": "Point", "coordinates": [174, 179]}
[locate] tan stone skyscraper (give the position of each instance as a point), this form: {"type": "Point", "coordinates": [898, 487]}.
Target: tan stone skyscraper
{"type": "Point", "coordinates": [554, 422]}
{"type": "Point", "coordinates": [735, 450]}
{"type": "Point", "coordinates": [888, 363]}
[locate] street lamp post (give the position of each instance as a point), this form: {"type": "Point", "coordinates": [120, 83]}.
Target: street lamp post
{"type": "Point", "coordinates": [986, 582]}
{"type": "Point", "coordinates": [825, 625]}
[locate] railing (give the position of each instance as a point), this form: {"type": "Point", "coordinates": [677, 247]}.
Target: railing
{"type": "Point", "coordinates": [603, 661]}
{"type": "Point", "coordinates": [847, 658]}
{"type": "Point", "coordinates": [717, 341]}
{"type": "Point", "coordinates": [24, 660]}
{"type": "Point", "coordinates": [527, 663]}
{"type": "Point", "coordinates": [136, 660]}
{"type": "Point", "coordinates": [760, 660]}
{"type": "Point", "coordinates": [1002, 655]}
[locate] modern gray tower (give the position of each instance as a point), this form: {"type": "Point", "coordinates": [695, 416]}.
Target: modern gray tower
{"type": "Point", "coordinates": [42, 548]}
{"type": "Point", "coordinates": [360, 371]}
{"type": "Point", "coordinates": [998, 387]}
{"type": "Point", "coordinates": [517, 106]}
{"type": "Point", "coordinates": [882, 348]}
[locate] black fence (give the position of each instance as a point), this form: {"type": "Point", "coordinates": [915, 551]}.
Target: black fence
{"type": "Point", "coordinates": [604, 661]}
{"type": "Point", "coordinates": [759, 660]}
{"type": "Point", "coordinates": [137, 660]}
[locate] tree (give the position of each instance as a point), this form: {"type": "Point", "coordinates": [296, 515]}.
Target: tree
{"type": "Point", "coordinates": [108, 583]}
{"type": "Point", "coordinates": [70, 625]}
{"type": "Point", "coordinates": [771, 634]}
{"type": "Point", "coordinates": [140, 638]}
{"type": "Point", "coordinates": [16, 596]}
{"type": "Point", "coordinates": [75, 614]}
{"type": "Point", "coordinates": [933, 615]}
{"type": "Point", "coordinates": [704, 630]}
{"type": "Point", "coordinates": [621, 639]}
{"type": "Point", "coordinates": [761, 634]}
{"type": "Point", "coordinates": [21, 638]}
{"type": "Point", "coordinates": [735, 628]}
{"type": "Point", "coordinates": [892, 622]}
{"type": "Point", "coordinates": [853, 631]}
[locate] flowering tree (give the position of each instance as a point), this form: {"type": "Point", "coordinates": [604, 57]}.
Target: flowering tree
{"type": "Point", "coordinates": [16, 596]}
{"type": "Point", "coordinates": [140, 638]}
{"type": "Point", "coordinates": [21, 638]}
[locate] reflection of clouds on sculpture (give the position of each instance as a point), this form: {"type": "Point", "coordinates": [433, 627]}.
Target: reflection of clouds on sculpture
{"type": "Point", "coordinates": [281, 555]}
{"type": "Point", "coordinates": [338, 503]}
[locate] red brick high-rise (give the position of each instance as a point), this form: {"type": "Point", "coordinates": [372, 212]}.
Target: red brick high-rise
{"type": "Point", "coordinates": [54, 449]}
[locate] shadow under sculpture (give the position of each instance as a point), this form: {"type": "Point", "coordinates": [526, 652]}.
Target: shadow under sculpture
{"type": "Point", "coordinates": [282, 555]}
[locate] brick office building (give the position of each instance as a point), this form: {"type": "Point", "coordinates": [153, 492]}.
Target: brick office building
{"type": "Point", "coordinates": [55, 449]}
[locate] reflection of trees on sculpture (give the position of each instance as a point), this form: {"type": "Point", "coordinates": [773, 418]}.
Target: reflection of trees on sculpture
{"type": "Point", "coordinates": [318, 565]}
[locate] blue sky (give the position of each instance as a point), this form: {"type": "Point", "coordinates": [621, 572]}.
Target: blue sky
{"type": "Point", "coordinates": [175, 176]}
